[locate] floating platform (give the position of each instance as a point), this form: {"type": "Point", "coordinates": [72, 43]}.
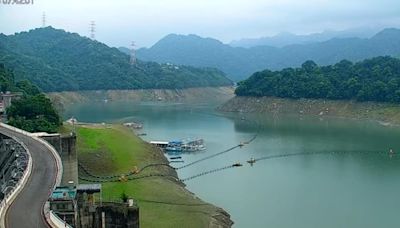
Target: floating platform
{"type": "Point", "coordinates": [177, 161]}
{"type": "Point", "coordinates": [177, 146]}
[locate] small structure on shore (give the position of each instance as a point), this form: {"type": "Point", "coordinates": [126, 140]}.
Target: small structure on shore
{"type": "Point", "coordinates": [63, 203]}
{"type": "Point", "coordinates": [159, 144]}
{"type": "Point", "coordinates": [133, 125]}
{"type": "Point", "coordinates": [6, 99]}
{"type": "Point", "coordinates": [72, 121]}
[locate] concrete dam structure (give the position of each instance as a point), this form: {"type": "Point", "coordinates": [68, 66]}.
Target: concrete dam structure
{"type": "Point", "coordinates": [65, 145]}
{"type": "Point", "coordinates": [31, 173]}
{"type": "Point", "coordinates": [13, 162]}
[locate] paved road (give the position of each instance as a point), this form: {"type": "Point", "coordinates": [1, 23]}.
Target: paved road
{"type": "Point", "coordinates": [27, 209]}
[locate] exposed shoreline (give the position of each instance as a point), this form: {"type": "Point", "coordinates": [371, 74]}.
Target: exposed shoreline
{"type": "Point", "coordinates": [384, 113]}
{"type": "Point", "coordinates": [189, 95]}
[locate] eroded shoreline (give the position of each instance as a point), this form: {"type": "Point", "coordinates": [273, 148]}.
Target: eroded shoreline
{"type": "Point", "coordinates": [384, 113]}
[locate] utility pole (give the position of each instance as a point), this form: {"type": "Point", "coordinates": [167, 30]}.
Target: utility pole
{"type": "Point", "coordinates": [43, 20]}
{"type": "Point", "coordinates": [92, 30]}
{"type": "Point", "coordinates": [133, 54]}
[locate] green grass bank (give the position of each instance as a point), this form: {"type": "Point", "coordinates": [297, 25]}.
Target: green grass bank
{"type": "Point", "coordinates": [163, 201]}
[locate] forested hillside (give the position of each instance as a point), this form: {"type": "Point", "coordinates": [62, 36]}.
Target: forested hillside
{"type": "Point", "coordinates": [7, 83]}
{"type": "Point", "coordinates": [240, 63]}
{"type": "Point", "coordinates": [33, 111]}
{"type": "Point", "coordinates": [376, 79]}
{"type": "Point", "coordinates": [56, 60]}
{"type": "Point", "coordinates": [6, 80]}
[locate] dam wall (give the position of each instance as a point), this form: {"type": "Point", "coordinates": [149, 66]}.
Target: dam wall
{"type": "Point", "coordinates": [66, 148]}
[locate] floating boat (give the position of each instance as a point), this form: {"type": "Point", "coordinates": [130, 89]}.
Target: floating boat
{"type": "Point", "coordinates": [193, 145]}
{"type": "Point", "coordinates": [185, 145]}
{"type": "Point", "coordinates": [177, 157]}
{"type": "Point", "coordinates": [174, 146]}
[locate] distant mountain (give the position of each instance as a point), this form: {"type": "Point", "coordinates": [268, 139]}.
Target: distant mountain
{"type": "Point", "coordinates": [56, 60]}
{"type": "Point", "coordinates": [285, 38]}
{"type": "Point", "coordinates": [197, 51]}
{"type": "Point", "coordinates": [239, 63]}
{"type": "Point", "coordinates": [125, 50]}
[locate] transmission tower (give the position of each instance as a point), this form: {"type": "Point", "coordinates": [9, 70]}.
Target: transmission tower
{"type": "Point", "coordinates": [92, 30]}
{"type": "Point", "coordinates": [133, 54]}
{"type": "Point", "coordinates": [43, 20]}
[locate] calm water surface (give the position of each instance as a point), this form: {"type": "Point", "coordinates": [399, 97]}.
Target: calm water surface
{"type": "Point", "coordinates": [360, 188]}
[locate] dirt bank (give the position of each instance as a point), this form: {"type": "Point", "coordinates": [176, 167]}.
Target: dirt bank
{"type": "Point", "coordinates": [190, 95]}
{"type": "Point", "coordinates": [387, 114]}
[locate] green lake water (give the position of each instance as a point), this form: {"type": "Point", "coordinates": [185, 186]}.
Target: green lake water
{"type": "Point", "coordinates": [351, 181]}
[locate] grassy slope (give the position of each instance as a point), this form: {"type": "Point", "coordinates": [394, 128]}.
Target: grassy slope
{"type": "Point", "coordinates": [114, 149]}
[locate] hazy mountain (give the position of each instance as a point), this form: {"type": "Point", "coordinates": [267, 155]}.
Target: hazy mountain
{"type": "Point", "coordinates": [284, 39]}
{"type": "Point", "coordinates": [239, 63]}
{"type": "Point", "coordinates": [57, 60]}
{"type": "Point", "coordinates": [125, 50]}
{"type": "Point", "coordinates": [197, 51]}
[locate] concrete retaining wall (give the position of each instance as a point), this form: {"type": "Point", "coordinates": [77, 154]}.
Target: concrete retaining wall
{"type": "Point", "coordinates": [8, 199]}
{"type": "Point", "coordinates": [66, 148]}
{"type": "Point", "coordinates": [57, 221]}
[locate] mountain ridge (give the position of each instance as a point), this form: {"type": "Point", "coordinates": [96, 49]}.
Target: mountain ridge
{"type": "Point", "coordinates": [56, 60]}
{"type": "Point", "coordinates": [287, 38]}
{"type": "Point", "coordinates": [239, 62]}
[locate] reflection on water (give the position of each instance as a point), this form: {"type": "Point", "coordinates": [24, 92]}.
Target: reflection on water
{"type": "Point", "coordinates": [351, 189]}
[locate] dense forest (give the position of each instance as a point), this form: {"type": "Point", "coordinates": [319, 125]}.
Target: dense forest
{"type": "Point", "coordinates": [56, 60]}
{"type": "Point", "coordinates": [238, 63]}
{"type": "Point", "coordinates": [33, 111]}
{"type": "Point", "coordinates": [8, 83]}
{"type": "Point", "coordinates": [376, 79]}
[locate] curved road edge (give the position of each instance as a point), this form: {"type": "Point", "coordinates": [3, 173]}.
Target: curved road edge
{"type": "Point", "coordinates": [45, 210]}
{"type": "Point", "coordinates": [50, 217]}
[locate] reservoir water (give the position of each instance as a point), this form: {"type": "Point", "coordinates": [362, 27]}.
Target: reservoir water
{"type": "Point", "coordinates": [352, 182]}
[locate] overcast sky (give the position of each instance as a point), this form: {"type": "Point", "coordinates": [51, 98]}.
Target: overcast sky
{"type": "Point", "coordinates": [118, 22]}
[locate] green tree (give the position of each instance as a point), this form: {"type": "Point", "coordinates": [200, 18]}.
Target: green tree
{"type": "Point", "coordinates": [34, 113]}
{"type": "Point", "coordinates": [374, 79]}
